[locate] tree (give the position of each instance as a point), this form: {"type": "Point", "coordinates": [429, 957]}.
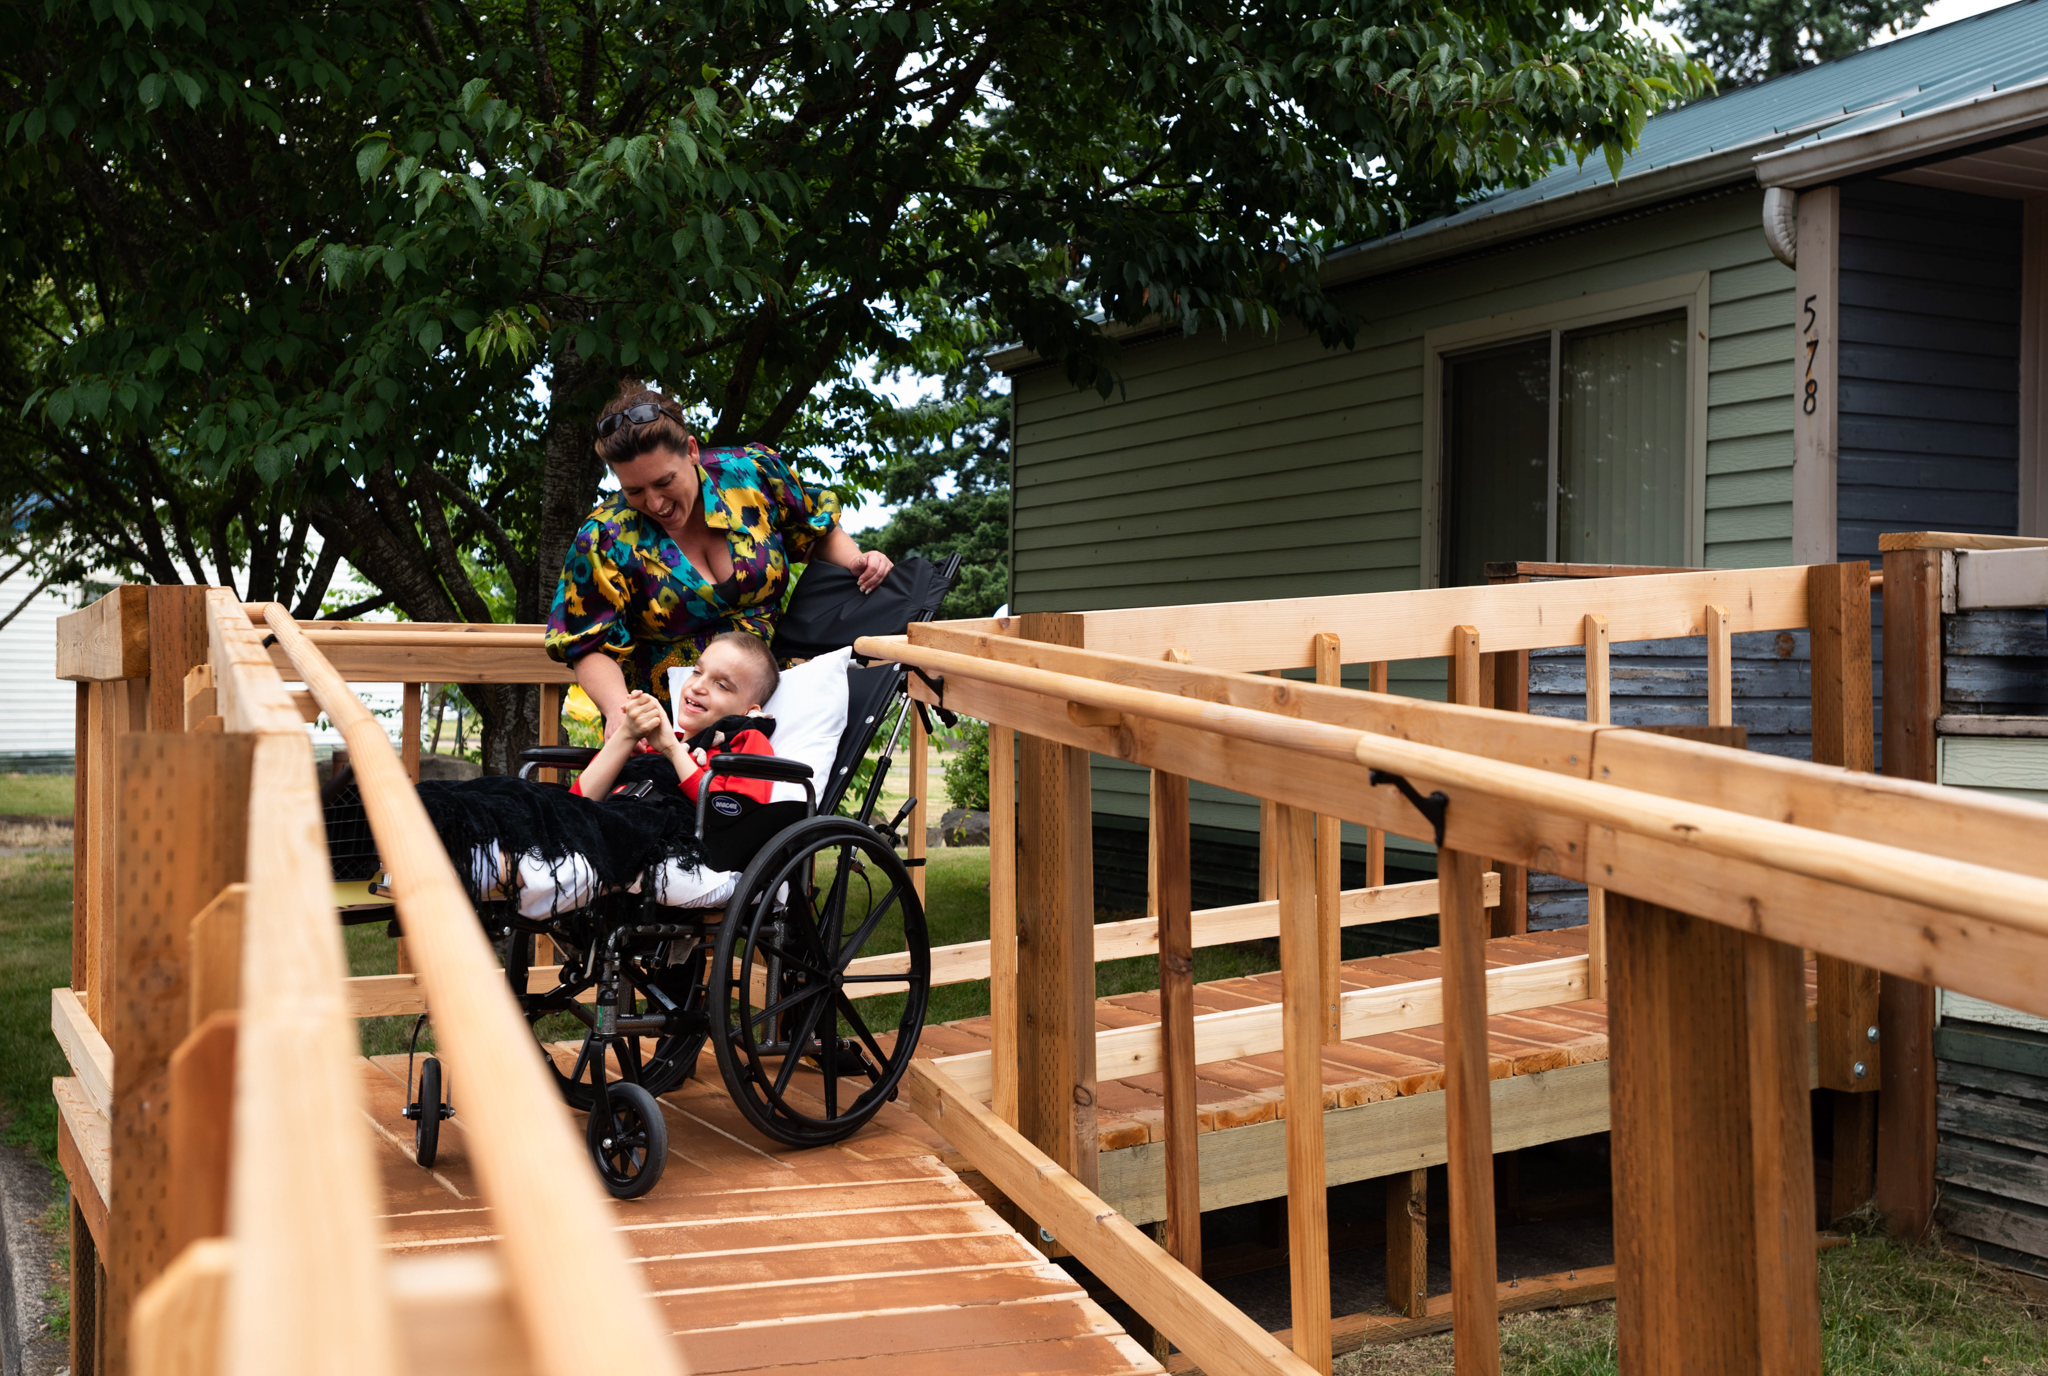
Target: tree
{"type": "Point", "coordinates": [1747, 41]}
{"type": "Point", "coordinates": [279, 278]}
{"type": "Point", "coordinates": [949, 476]}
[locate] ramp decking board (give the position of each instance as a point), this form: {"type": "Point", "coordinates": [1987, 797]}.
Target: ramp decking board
{"type": "Point", "coordinates": [847, 1259]}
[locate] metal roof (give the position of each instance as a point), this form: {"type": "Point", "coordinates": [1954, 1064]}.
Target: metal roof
{"type": "Point", "coordinates": [1911, 76]}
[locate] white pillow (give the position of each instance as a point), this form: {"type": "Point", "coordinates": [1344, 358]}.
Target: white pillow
{"type": "Point", "coordinates": [809, 708]}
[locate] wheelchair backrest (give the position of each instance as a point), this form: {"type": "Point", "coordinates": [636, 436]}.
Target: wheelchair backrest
{"type": "Point", "coordinates": [870, 693]}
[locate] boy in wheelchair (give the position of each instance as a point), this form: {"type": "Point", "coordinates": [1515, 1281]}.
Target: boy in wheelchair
{"type": "Point", "coordinates": [720, 705]}
{"type": "Point", "coordinates": [806, 965]}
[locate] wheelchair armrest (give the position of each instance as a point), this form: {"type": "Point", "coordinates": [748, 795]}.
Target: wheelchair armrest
{"type": "Point", "coordinates": [771, 767]}
{"type": "Point", "coordinates": [555, 757]}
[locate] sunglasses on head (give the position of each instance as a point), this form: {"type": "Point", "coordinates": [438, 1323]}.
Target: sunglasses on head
{"type": "Point", "coordinates": [640, 414]}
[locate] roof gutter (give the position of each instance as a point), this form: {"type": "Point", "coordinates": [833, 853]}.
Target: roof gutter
{"type": "Point", "coordinates": [1909, 139]}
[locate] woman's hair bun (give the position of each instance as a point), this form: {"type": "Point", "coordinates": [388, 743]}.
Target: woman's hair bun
{"type": "Point", "coordinates": [627, 443]}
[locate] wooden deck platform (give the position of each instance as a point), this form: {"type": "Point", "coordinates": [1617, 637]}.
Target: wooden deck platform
{"type": "Point", "coordinates": [867, 1257]}
{"type": "Point", "coordinates": [1382, 1095]}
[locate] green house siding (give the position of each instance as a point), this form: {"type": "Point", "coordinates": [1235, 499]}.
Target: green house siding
{"type": "Point", "coordinates": [1257, 466]}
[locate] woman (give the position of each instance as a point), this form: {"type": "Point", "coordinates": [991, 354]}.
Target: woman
{"type": "Point", "coordinates": [696, 542]}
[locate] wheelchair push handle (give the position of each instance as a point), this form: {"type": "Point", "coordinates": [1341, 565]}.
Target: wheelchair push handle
{"type": "Point", "coordinates": [555, 757]}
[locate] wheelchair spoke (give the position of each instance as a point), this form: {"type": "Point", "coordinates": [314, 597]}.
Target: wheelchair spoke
{"type": "Point", "coordinates": [826, 918]}
{"type": "Point", "coordinates": [860, 1029]}
{"type": "Point", "coordinates": [852, 948]}
{"type": "Point", "coordinates": [787, 1002]}
{"type": "Point", "coordinates": [798, 1041]}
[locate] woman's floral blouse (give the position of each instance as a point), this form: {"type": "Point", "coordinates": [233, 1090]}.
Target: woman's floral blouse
{"type": "Point", "coordinates": [628, 591]}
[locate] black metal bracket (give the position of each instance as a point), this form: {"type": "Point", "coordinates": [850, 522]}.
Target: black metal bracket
{"type": "Point", "coordinates": [270, 640]}
{"type": "Point", "coordinates": [938, 687]}
{"type": "Point", "coordinates": [1434, 809]}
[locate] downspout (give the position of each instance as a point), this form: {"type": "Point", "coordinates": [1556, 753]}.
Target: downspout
{"type": "Point", "coordinates": [1781, 224]}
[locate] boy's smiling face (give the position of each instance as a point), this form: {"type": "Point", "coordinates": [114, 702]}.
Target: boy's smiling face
{"type": "Point", "coordinates": [721, 684]}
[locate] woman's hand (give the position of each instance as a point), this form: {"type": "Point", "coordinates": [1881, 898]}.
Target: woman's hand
{"type": "Point", "coordinates": [642, 715]}
{"type": "Point", "coordinates": [869, 568]}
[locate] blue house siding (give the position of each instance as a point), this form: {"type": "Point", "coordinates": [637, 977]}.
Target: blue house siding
{"type": "Point", "coordinates": [1929, 364]}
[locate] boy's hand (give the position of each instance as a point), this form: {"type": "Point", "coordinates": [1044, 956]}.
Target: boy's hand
{"type": "Point", "coordinates": [644, 717]}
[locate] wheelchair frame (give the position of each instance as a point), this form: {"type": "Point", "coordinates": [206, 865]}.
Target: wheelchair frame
{"type": "Point", "coordinates": [756, 978]}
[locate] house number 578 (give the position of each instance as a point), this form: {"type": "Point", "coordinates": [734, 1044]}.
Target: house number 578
{"type": "Point", "coordinates": [1811, 401]}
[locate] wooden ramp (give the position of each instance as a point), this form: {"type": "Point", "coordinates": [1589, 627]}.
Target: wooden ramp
{"type": "Point", "coordinates": [870, 1256]}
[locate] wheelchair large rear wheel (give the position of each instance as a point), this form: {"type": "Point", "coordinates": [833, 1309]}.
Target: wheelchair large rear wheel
{"type": "Point", "coordinates": [811, 1047]}
{"type": "Point", "coordinates": [651, 981]}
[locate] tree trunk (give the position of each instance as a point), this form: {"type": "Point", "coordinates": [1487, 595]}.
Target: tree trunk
{"type": "Point", "coordinates": [508, 719]}
{"type": "Point", "coordinates": [570, 469]}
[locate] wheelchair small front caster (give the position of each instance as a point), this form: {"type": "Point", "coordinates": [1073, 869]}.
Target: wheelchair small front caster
{"type": "Point", "coordinates": [426, 1113]}
{"type": "Point", "coordinates": [629, 1141]}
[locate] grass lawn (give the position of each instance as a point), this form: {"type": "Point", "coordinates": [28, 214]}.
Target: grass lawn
{"type": "Point", "coordinates": [35, 795]}
{"type": "Point", "coordinates": [1886, 1310]}
{"type": "Point", "coordinates": [35, 957]}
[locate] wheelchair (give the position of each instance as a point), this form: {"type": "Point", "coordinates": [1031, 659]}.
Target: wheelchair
{"type": "Point", "coordinates": [767, 977]}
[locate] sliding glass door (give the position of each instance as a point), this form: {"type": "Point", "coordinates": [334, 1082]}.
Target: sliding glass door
{"type": "Point", "coordinates": [1568, 447]}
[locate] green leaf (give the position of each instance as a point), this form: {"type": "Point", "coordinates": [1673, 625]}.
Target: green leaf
{"type": "Point", "coordinates": [188, 88]}
{"type": "Point", "coordinates": [268, 463]}
{"type": "Point", "coordinates": [430, 336]}
{"type": "Point", "coordinates": [373, 157]}
{"type": "Point", "coordinates": [59, 408]}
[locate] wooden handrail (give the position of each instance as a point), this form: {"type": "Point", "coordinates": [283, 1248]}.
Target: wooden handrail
{"type": "Point", "coordinates": [561, 1254]}
{"type": "Point", "coordinates": [1991, 895]}
{"type": "Point", "coordinates": [307, 1287]}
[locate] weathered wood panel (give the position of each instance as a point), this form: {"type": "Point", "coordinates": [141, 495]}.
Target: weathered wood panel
{"type": "Point", "coordinates": [1991, 1110]}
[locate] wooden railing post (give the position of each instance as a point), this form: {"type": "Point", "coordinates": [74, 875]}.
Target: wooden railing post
{"type": "Point", "coordinates": [183, 837]}
{"type": "Point", "coordinates": [1056, 938]}
{"type": "Point", "coordinates": [918, 785]}
{"type": "Point", "coordinates": [1597, 683]}
{"type": "Point", "coordinates": [1713, 1167]}
{"type": "Point", "coordinates": [1173, 904]}
{"type": "Point", "coordinates": [1376, 839]}
{"type": "Point", "coordinates": [1720, 667]}
{"type": "Point", "coordinates": [1468, 1114]}
{"type": "Point", "coordinates": [1408, 1242]}
{"type": "Point", "coordinates": [1912, 701]}
{"type": "Point", "coordinates": [1002, 917]}
{"type": "Point", "coordinates": [1302, 1032]}
{"type": "Point", "coordinates": [1329, 659]}
{"type": "Point", "coordinates": [1851, 1057]}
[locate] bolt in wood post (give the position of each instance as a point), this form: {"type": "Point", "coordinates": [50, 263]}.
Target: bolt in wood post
{"type": "Point", "coordinates": [1302, 1027]}
{"type": "Point", "coordinates": [1172, 903]}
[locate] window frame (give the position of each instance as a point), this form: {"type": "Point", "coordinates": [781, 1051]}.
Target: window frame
{"type": "Point", "coordinates": [1687, 292]}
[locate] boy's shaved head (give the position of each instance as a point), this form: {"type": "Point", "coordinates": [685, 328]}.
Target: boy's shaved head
{"type": "Point", "coordinates": [766, 677]}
